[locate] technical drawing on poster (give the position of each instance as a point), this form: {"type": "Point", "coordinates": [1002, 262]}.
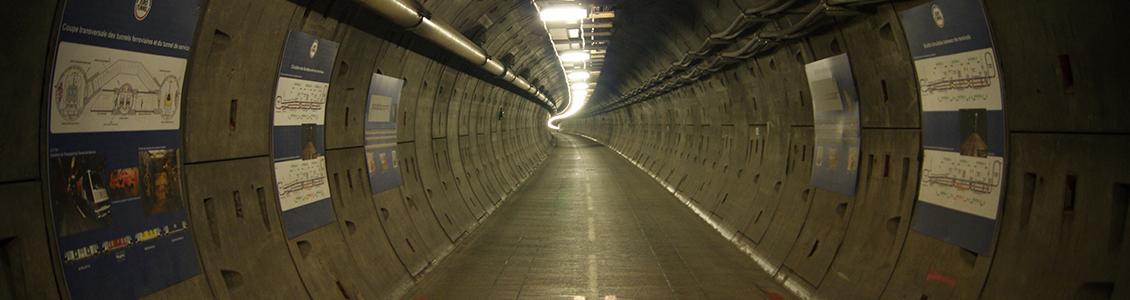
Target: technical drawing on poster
{"type": "Point", "coordinates": [299, 102]}
{"type": "Point", "coordinates": [97, 89]}
{"type": "Point", "coordinates": [301, 182]}
{"type": "Point", "coordinates": [959, 81]}
{"type": "Point", "coordinates": [964, 183]}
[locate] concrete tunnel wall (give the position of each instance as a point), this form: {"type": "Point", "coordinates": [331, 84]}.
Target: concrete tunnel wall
{"type": "Point", "coordinates": [739, 145]}
{"type": "Point", "coordinates": [465, 145]}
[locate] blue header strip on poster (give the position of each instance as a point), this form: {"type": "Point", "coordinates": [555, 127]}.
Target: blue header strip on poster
{"type": "Point", "coordinates": [308, 57]}
{"type": "Point", "coordinates": [167, 29]}
{"type": "Point", "coordinates": [963, 28]}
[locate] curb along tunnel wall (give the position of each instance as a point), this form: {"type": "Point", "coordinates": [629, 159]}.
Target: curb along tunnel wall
{"type": "Point", "coordinates": [459, 158]}
{"type": "Point", "coordinates": [738, 144]}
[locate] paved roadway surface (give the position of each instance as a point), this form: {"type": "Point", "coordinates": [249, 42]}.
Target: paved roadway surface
{"type": "Point", "coordinates": [590, 225]}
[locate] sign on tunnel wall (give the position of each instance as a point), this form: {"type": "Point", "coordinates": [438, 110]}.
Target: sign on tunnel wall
{"type": "Point", "coordinates": [962, 122]}
{"type": "Point", "coordinates": [298, 134]}
{"type": "Point", "coordinates": [835, 114]}
{"type": "Point", "coordinates": [380, 132]}
{"type": "Point", "coordinates": [114, 168]}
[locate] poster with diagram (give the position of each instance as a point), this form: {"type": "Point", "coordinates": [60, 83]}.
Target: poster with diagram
{"type": "Point", "coordinates": [114, 147]}
{"type": "Point", "coordinates": [835, 115]}
{"type": "Point", "coordinates": [963, 134]}
{"type": "Point", "coordinates": [380, 133]}
{"type": "Point", "coordinates": [298, 133]}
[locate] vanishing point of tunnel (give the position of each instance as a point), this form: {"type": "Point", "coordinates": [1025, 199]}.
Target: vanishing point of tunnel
{"type": "Point", "coordinates": [565, 149]}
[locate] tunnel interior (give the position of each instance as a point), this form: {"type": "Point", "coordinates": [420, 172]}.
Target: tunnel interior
{"type": "Point", "coordinates": [341, 149]}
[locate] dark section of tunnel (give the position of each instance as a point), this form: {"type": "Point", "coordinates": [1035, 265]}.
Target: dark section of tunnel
{"type": "Point", "coordinates": [736, 143]}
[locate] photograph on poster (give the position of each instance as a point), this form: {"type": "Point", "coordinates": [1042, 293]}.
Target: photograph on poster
{"type": "Point", "coordinates": [973, 132]}
{"type": "Point", "coordinates": [370, 162]}
{"type": "Point", "coordinates": [160, 181]}
{"type": "Point", "coordinates": [123, 183]}
{"type": "Point", "coordinates": [80, 194]}
{"type": "Point", "coordinates": [309, 149]}
{"type": "Point", "coordinates": [384, 162]}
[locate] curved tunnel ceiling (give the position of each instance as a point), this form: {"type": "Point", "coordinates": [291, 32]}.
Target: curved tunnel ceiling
{"type": "Point", "coordinates": [508, 31]}
{"type": "Point", "coordinates": [651, 35]}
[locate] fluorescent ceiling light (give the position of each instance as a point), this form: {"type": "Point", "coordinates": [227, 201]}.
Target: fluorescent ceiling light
{"type": "Point", "coordinates": [581, 86]}
{"type": "Point", "coordinates": [575, 56]}
{"type": "Point", "coordinates": [574, 33]}
{"type": "Point", "coordinates": [563, 13]}
{"type": "Point", "coordinates": [580, 75]}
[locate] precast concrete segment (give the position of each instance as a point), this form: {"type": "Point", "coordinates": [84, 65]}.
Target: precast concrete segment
{"type": "Point", "coordinates": [590, 225]}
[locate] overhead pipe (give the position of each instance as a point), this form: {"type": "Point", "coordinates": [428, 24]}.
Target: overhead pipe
{"type": "Point", "coordinates": [409, 17]}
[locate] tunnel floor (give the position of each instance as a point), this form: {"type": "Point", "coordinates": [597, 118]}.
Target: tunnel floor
{"type": "Point", "coordinates": [590, 224]}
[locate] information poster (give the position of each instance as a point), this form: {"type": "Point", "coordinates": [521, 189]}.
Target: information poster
{"type": "Point", "coordinates": [114, 140]}
{"type": "Point", "coordinates": [299, 133]}
{"type": "Point", "coordinates": [962, 122]}
{"type": "Point", "coordinates": [835, 114]}
{"type": "Point", "coordinates": [380, 132]}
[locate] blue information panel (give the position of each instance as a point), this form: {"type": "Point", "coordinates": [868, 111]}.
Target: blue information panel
{"type": "Point", "coordinates": [835, 112]}
{"type": "Point", "coordinates": [114, 169]}
{"type": "Point", "coordinates": [299, 133]}
{"type": "Point", "coordinates": [380, 132]}
{"type": "Point", "coordinates": [962, 122]}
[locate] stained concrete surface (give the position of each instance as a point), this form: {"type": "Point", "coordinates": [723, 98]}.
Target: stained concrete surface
{"type": "Point", "coordinates": [590, 224]}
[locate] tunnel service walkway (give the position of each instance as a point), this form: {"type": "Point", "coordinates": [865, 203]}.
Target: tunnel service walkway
{"type": "Point", "coordinates": [589, 224]}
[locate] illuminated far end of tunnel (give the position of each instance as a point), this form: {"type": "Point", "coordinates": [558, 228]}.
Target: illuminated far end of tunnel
{"type": "Point", "coordinates": [575, 105]}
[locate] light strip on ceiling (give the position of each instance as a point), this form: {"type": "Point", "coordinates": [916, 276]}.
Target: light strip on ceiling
{"type": "Point", "coordinates": [577, 79]}
{"type": "Point", "coordinates": [564, 13]}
